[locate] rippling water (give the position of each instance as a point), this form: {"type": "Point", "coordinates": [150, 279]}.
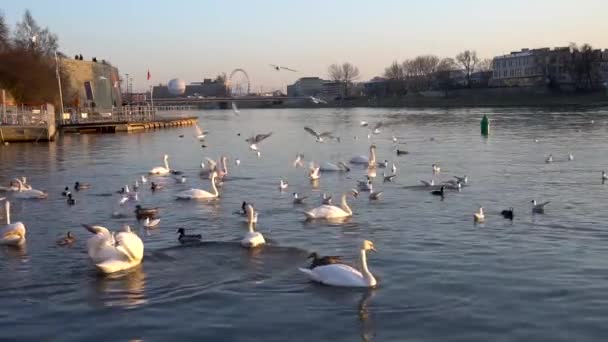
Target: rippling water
{"type": "Point", "coordinates": [542, 277]}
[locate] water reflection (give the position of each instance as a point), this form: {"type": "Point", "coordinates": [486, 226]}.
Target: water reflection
{"type": "Point", "coordinates": [367, 327]}
{"type": "Point", "coordinates": [123, 289]}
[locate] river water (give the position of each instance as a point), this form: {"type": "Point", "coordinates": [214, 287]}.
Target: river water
{"type": "Point", "coordinates": [441, 277]}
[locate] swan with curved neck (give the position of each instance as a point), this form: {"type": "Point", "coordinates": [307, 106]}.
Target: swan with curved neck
{"type": "Point", "coordinates": [367, 160]}
{"type": "Point", "coordinates": [372, 157]}
{"type": "Point", "coordinates": [114, 252]}
{"type": "Point", "coordinates": [343, 275]}
{"type": "Point", "coordinates": [30, 193]}
{"type": "Point", "coordinates": [162, 170]}
{"type": "Point", "coordinates": [252, 238]}
{"type": "Point", "coordinates": [200, 194]}
{"type": "Point", "coordinates": [327, 211]}
{"type": "Point", "coordinates": [13, 234]}
{"type": "Point", "coordinates": [223, 172]}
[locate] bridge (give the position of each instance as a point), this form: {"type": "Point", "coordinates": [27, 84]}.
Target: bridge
{"type": "Point", "coordinates": [227, 99]}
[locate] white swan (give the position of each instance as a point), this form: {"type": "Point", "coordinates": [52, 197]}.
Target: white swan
{"type": "Point", "coordinates": [283, 185]}
{"type": "Point", "coordinates": [200, 194]}
{"type": "Point", "coordinates": [13, 234]}
{"type": "Point", "coordinates": [479, 217]}
{"type": "Point", "coordinates": [344, 275]}
{"type": "Point", "coordinates": [314, 172]}
{"type": "Point", "coordinates": [30, 193]}
{"type": "Point", "coordinates": [200, 134]}
{"type": "Point", "coordinates": [112, 253]}
{"type": "Point", "coordinates": [326, 211]}
{"type": "Point", "coordinates": [369, 160]}
{"type": "Point", "coordinates": [162, 170]}
{"type": "Point", "coordinates": [252, 238]}
{"type": "Point", "coordinates": [331, 167]}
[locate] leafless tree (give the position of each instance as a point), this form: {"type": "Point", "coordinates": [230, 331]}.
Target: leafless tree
{"type": "Point", "coordinates": [468, 61]}
{"type": "Point", "coordinates": [345, 74]}
{"type": "Point", "coordinates": [4, 34]}
{"type": "Point", "coordinates": [443, 76]}
{"type": "Point", "coordinates": [484, 65]}
{"type": "Point", "coordinates": [30, 35]}
{"type": "Point", "coordinates": [583, 66]}
{"type": "Point", "coordinates": [394, 71]}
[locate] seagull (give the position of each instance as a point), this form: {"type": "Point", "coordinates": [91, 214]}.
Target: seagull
{"type": "Point", "coordinates": [570, 157]}
{"type": "Point", "coordinates": [278, 68]}
{"type": "Point", "coordinates": [259, 154]}
{"type": "Point", "coordinates": [144, 180]}
{"type": "Point", "coordinates": [235, 109]}
{"type": "Point", "coordinates": [604, 176]}
{"type": "Point", "coordinates": [256, 139]}
{"type": "Point", "coordinates": [549, 159]}
{"type": "Point", "coordinates": [299, 162]}
{"type": "Point", "coordinates": [297, 199]}
{"type": "Point", "coordinates": [283, 185]}
{"type": "Point", "coordinates": [394, 168]}
{"type": "Point", "coordinates": [388, 178]}
{"type": "Point", "coordinates": [364, 124]}
{"type": "Point", "coordinates": [463, 180]}
{"type": "Point", "coordinates": [375, 195]}
{"type": "Point", "coordinates": [539, 208]}
{"type": "Point", "coordinates": [320, 136]}
{"type": "Point", "coordinates": [394, 139]}
{"type": "Point", "coordinates": [427, 184]}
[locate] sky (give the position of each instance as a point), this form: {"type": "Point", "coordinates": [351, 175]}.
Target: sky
{"type": "Point", "coordinates": [198, 39]}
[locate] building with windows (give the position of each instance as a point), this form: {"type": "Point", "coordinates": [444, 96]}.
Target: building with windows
{"type": "Point", "coordinates": [306, 86]}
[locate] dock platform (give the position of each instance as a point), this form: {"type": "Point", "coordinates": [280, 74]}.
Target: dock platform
{"type": "Point", "coordinates": [126, 126]}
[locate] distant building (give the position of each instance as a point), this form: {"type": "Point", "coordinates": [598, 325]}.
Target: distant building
{"type": "Point", "coordinates": [207, 88]}
{"type": "Point", "coordinates": [315, 86]}
{"type": "Point", "coordinates": [90, 84]}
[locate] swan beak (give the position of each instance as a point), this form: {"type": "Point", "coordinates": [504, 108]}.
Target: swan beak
{"type": "Point", "coordinates": [373, 249]}
{"type": "Point", "coordinates": [89, 228]}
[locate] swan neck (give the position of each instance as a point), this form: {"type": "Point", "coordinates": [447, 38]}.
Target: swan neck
{"type": "Point", "coordinates": [372, 155]}
{"type": "Point", "coordinates": [213, 186]}
{"type": "Point", "coordinates": [7, 207]}
{"type": "Point", "coordinates": [364, 270]}
{"type": "Point", "coordinates": [166, 162]}
{"type": "Point", "coordinates": [224, 165]}
{"type": "Point", "coordinates": [345, 206]}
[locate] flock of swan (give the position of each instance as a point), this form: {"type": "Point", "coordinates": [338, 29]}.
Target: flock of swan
{"type": "Point", "coordinates": [123, 249]}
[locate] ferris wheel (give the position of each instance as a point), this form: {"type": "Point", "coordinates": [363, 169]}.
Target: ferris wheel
{"type": "Point", "coordinates": [238, 83]}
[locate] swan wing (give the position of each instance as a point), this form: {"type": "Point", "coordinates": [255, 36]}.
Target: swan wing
{"type": "Point", "coordinates": [339, 275]}
{"type": "Point", "coordinates": [13, 234]}
{"type": "Point", "coordinates": [130, 246]}
{"type": "Point", "coordinates": [198, 129]}
{"type": "Point", "coordinates": [326, 211]}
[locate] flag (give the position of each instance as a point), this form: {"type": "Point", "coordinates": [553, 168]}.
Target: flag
{"type": "Point", "coordinates": [149, 75]}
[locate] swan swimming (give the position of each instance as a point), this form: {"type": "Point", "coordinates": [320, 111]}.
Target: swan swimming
{"type": "Point", "coordinates": [371, 160]}
{"type": "Point", "coordinates": [252, 239]}
{"type": "Point", "coordinates": [479, 217]}
{"type": "Point", "coordinates": [327, 211]}
{"type": "Point", "coordinates": [30, 193]}
{"type": "Point", "coordinates": [13, 234]}
{"type": "Point", "coordinates": [200, 194]}
{"type": "Point", "coordinates": [283, 185]}
{"type": "Point", "coordinates": [339, 274]}
{"type": "Point", "coordinates": [331, 167]}
{"type": "Point", "coordinates": [162, 170]}
{"type": "Point", "coordinates": [114, 252]}
{"type": "Point", "coordinates": [314, 172]}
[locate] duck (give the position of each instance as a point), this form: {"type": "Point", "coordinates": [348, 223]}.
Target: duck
{"type": "Point", "coordinates": [439, 192]}
{"type": "Point", "coordinates": [479, 217]}
{"type": "Point", "coordinates": [365, 185]}
{"type": "Point", "coordinates": [327, 211]}
{"type": "Point", "coordinates": [321, 261]}
{"type": "Point", "coordinates": [184, 238]}
{"type": "Point", "coordinates": [11, 234]}
{"type": "Point", "coordinates": [81, 186]}
{"type": "Point", "coordinates": [252, 238]}
{"type": "Point", "coordinates": [297, 199]}
{"type": "Point", "coordinates": [161, 170]}
{"type": "Point", "coordinates": [401, 152]}
{"type": "Point", "coordinates": [30, 193]}
{"type": "Point", "coordinates": [142, 213]}
{"type": "Point", "coordinates": [539, 208]}
{"type": "Point", "coordinates": [112, 253]}
{"type": "Point", "coordinates": [507, 213]}
{"type": "Point", "coordinates": [66, 191]}
{"type": "Point", "coordinates": [66, 240]}
{"type": "Point", "coordinates": [70, 200]}
{"type": "Point", "coordinates": [155, 186]}
{"type": "Point", "coordinates": [283, 185]}
{"type": "Point", "coordinates": [200, 194]}
{"type": "Point", "coordinates": [339, 274]}
{"type": "Point", "coordinates": [549, 159]}
{"type": "Point", "coordinates": [148, 223]}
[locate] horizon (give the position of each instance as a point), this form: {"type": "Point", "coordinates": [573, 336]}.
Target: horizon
{"type": "Point", "coordinates": [196, 40]}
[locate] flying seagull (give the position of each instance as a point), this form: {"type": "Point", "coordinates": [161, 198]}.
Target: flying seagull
{"type": "Point", "coordinates": [278, 68]}
{"type": "Point", "coordinates": [256, 139]}
{"type": "Point", "coordinates": [320, 136]}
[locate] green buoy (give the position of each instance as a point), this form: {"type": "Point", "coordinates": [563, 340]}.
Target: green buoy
{"type": "Point", "coordinates": [485, 125]}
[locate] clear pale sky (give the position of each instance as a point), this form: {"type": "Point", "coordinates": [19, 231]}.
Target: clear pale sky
{"type": "Point", "coordinates": [197, 39]}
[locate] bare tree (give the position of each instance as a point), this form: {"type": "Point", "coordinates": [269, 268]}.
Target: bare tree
{"type": "Point", "coordinates": [29, 35]}
{"type": "Point", "coordinates": [443, 74]}
{"type": "Point", "coordinates": [345, 74]}
{"type": "Point", "coordinates": [468, 60]}
{"type": "Point", "coordinates": [394, 71]}
{"type": "Point", "coordinates": [4, 33]}
{"type": "Point", "coordinates": [484, 65]}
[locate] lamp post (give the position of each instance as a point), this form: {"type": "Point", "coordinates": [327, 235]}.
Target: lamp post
{"type": "Point", "coordinates": [127, 92]}
{"type": "Point", "coordinates": [59, 82]}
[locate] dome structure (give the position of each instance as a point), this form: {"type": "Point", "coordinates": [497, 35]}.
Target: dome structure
{"type": "Point", "coordinates": [176, 87]}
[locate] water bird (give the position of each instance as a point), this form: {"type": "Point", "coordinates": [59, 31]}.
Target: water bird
{"type": "Point", "coordinates": [570, 157]}
{"type": "Point", "coordinates": [428, 184]}
{"type": "Point", "coordinates": [320, 137]}
{"type": "Point", "coordinates": [235, 109]}
{"type": "Point", "coordinates": [148, 223]}
{"type": "Point", "coordinates": [200, 134]}
{"type": "Point", "coordinates": [279, 68]}
{"type": "Point", "coordinates": [299, 162]}
{"type": "Point", "coordinates": [162, 170]}
{"type": "Point", "coordinates": [376, 129]}
{"type": "Point", "coordinates": [365, 185]}
{"type": "Point", "coordinates": [237, 162]}
{"type": "Point", "coordinates": [507, 213]}
{"type": "Point", "coordinates": [114, 252]}
{"type": "Point", "coordinates": [479, 217]}
{"type": "Point", "coordinates": [142, 213]}
{"type": "Point", "coordinates": [66, 191]}
{"type": "Point", "coordinates": [323, 260]}
{"type": "Point", "coordinates": [394, 138]}
{"type": "Point", "coordinates": [369, 160]}
{"type": "Point", "coordinates": [252, 238]}
{"type": "Point", "coordinates": [66, 240]}
{"type": "Point", "coordinates": [30, 193]}
{"type": "Point", "coordinates": [439, 192]}
{"type": "Point", "coordinates": [604, 176]}
{"type": "Point", "coordinates": [327, 211]}
{"type": "Point", "coordinates": [464, 179]}
{"type": "Point", "coordinates": [181, 179]}
{"type": "Point", "coordinates": [243, 211]}
{"type": "Point", "coordinates": [136, 185]}
{"type": "Point", "coordinates": [155, 186]}
{"type": "Point", "coordinates": [81, 186]}
{"type": "Point", "coordinates": [259, 154]}
{"type": "Point", "coordinates": [144, 179]}
{"type": "Point", "coordinates": [394, 168]}
{"type": "Point", "coordinates": [436, 168]}
{"type": "Point", "coordinates": [184, 238]}
{"type": "Point", "coordinates": [326, 199]}
{"type": "Point", "coordinates": [283, 185]}
{"type": "Point", "coordinates": [297, 199]}
{"type": "Point", "coordinates": [70, 200]}
{"type": "Point", "coordinates": [401, 152]}
{"type": "Point", "coordinates": [375, 195]}
{"type": "Point", "coordinates": [364, 124]}
{"type": "Point", "coordinates": [256, 139]}
{"type": "Point", "coordinates": [314, 172]}
{"type": "Point", "coordinates": [200, 194]}
{"type": "Point", "coordinates": [388, 178]}
{"type": "Point", "coordinates": [339, 274]}
{"type": "Point", "coordinates": [317, 100]}
{"type": "Point", "coordinates": [11, 234]}
{"type": "Point", "coordinates": [549, 159]}
{"type": "Point", "coordinates": [539, 208]}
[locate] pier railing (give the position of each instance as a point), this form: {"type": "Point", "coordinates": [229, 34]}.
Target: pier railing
{"type": "Point", "coordinates": [123, 114]}
{"type": "Point", "coordinates": [25, 116]}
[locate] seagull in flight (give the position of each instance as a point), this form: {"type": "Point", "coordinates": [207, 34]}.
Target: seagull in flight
{"type": "Point", "coordinates": [256, 139]}
{"type": "Point", "coordinates": [317, 100]}
{"type": "Point", "coordinates": [278, 68]}
{"type": "Point", "coordinates": [376, 129]}
{"type": "Point", "coordinates": [320, 136]}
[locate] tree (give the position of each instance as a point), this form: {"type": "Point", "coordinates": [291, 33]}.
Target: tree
{"type": "Point", "coordinates": [394, 71]}
{"type": "Point", "coordinates": [484, 65]}
{"type": "Point", "coordinates": [443, 76]}
{"type": "Point", "coordinates": [4, 33]}
{"type": "Point", "coordinates": [345, 74]}
{"type": "Point", "coordinates": [468, 60]}
{"type": "Point", "coordinates": [29, 35]}
{"type": "Point", "coordinates": [582, 66]}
